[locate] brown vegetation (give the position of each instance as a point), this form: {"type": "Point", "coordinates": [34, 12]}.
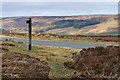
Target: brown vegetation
{"type": "Point", "coordinates": [22, 66]}
{"type": "Point", "coordinates": [107, 38]}
{"type": "Point", "coordinates": [98, 62]}
{"type": "Point", "coordinates": [16, 65]}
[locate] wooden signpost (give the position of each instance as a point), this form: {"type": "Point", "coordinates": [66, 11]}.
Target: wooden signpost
{"type": "Point", "coordinates": [29, 31]}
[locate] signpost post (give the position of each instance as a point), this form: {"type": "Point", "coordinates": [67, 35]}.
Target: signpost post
{"type": "Point", "coordinates": [29, 31]}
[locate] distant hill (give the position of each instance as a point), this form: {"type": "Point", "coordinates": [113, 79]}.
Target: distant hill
{"type": "Point", "coordinates": [83, 24]}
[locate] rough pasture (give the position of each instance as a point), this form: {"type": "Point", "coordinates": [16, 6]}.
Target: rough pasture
{"type": "Point", "coordinates": [22, 66]}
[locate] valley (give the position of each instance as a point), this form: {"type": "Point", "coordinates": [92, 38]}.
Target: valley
{"type": "Point", "coordinates": [65, 25]}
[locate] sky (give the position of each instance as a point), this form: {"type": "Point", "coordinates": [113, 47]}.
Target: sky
{"type": "Point", "coordinates": [10, 9]}
{"type": "Point", "coordinates": [60, 0]}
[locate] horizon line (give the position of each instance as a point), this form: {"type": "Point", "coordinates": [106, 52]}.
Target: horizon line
{"type": "Point", "coordinates": [59, 15]}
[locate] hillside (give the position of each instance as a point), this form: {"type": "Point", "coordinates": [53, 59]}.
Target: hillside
{"type": "Point", "coordinates": [83, 24]}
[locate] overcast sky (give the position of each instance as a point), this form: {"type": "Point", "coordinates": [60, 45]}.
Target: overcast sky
{"type": "Point", "coordinates": [59, 0]}
{"type": "Point", "coordinates": [10, 9]}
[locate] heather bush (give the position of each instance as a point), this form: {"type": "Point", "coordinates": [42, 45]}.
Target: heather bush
{"type": "Point", "coordinates": [98, 62]}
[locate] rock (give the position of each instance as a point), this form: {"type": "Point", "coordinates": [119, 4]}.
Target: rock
{"type": "Point", "coordinates": [7, 44]}
{"type": "Point", "coordinates": [20, 42]}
